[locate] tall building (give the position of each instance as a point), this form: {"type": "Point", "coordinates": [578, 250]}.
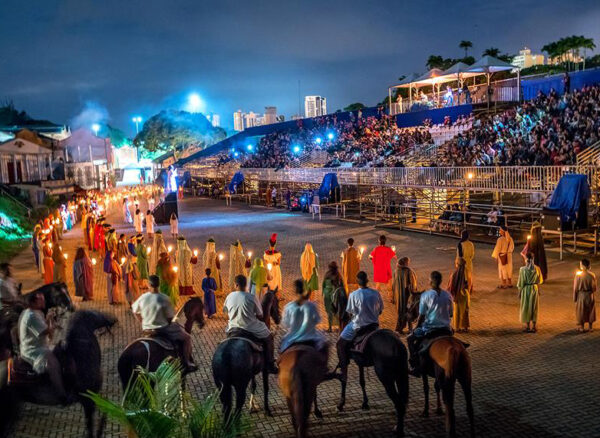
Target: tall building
{"type": "Point", "coordinates": [315, 106]}
{"type": "Point", "coordinates": [525, 59]}
{"type": "Point", "coordinates": [238, 120]}
{"type": "Point", "coordinates": [250, 120]}
{"type": "Point", "coordinates": [215, 119]}
{"type": "Point", "coordinates": [270, 115]}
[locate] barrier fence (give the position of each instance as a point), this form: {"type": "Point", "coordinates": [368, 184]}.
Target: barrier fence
{"type": "Point", "coordinates": [522, 179]}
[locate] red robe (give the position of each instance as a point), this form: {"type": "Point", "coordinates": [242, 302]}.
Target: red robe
{"type": "Point", "coordinates": [98, 237]}
{"type": "Point", "coordinates": [382, 268]}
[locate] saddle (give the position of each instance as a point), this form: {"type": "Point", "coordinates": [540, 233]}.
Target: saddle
{"type": "Point", "coordinates": [428, 342]}
{"type": "Point", "coordinates": [160, 340]}
{"type": "Point", "coordinates": [360, 341]}
{"type": "Point", "coordinates": [20, 372]}
{"type": "Point", "coordinates": [253, 344]}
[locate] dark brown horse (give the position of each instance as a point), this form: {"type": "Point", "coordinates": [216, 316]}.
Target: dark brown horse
{"type": "Point", "coordinates": [387, 354]}
{"type": "Point", "coordinates": [149, 354]}
{"type": "Point", "coordinates": [301, 369]}
{"type": "Point", "coordinates": [235, 364]}
{"type": "Point", "coordinates": [448, 361]}
{"type": "Point", "coordinates": [80, 357]}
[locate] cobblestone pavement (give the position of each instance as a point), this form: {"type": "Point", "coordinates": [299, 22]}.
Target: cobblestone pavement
{"type": "Point", "coordinates": [524, 385]}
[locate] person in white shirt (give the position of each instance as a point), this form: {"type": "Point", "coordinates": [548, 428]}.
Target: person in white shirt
{"type": "Point", "coordinates": [34, 347]}
{"type": "Point", "coordinates": [149, 224]}
{"type": "Point", "coordinates": [9, 292]}
{"type": "Point", "coordinates": [364, 305]}
{"type": "Point", "coordinates": [245, 320]}
{"type": "Point", "coordinates": [436, 308]}
{"type": "Point", "coordinates": [138, 221]}
{"type": "Point", "coordinates": [300, 318]}
{"type": "Point", "coordinates": [156, 314]}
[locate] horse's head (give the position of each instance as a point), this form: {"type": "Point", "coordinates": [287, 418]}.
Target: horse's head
{"type": "Point", "coordinates": [271, 299]}
{"type": "Point", "coordinates": [90, 320]}
{"type": "Point", "coordinates": [57, 295]}
{"type": "Point", "coordinates": [412, 313]}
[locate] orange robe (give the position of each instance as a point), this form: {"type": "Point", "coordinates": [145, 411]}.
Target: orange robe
{"type": "Point", "coordinates": [48, 265]}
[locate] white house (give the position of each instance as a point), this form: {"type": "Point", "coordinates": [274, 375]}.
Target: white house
{"type": "Point", "coordinates": [22, 161]}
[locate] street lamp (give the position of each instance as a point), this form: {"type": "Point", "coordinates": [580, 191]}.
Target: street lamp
{"type": "Point", "coordinates": [137, 120]}
{"type": "Point", "coordinates": [96, 128]}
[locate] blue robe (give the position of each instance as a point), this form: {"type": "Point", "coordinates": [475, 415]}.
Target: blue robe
{"type": "Point", "coordinates": [209, 286]}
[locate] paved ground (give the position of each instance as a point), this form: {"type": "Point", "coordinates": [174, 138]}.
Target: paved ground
{"type": "Point", "coordinates": [532, 385]}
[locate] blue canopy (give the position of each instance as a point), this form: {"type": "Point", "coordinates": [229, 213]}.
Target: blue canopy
{"type": "Point", "coordinates": [328, 186]}
{"type": "Point", "coordinates": [238, 178]}
{"type": "Point", "coordinates": [572, 189]}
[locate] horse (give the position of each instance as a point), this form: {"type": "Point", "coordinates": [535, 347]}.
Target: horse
{"type": "Point", "coordinates": [448, 362]}
{"type": "Point", "coordinates": [80, 357]}
{"type": "Point", "coordinates": [339, 304]}
{"type": "Point", "coordinates": [301, 369]}
{"type": "Point", "coordinates": [148, 354]}
{"type": "Point", "coordinates": [387, 354]}
{"type": "Point", "coordinates": [236, 362]}
{"type": "Point", "coordinates": [56, 297]}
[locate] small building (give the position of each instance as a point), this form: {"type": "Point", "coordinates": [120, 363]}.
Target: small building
{"type": "Point", "coordinates": [526, 59]}
{"type": "Point", "coordinates": [24, 161]}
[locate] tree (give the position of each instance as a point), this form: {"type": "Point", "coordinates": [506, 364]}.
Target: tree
{"type": "Point", "coordinates": [465, 45]}
{"type": "Point", "coordinates": [354, 106]}
{"type": "Point", "coordinates": [492, 51]}
{"type": "Point", "coordinates": [155, 405]}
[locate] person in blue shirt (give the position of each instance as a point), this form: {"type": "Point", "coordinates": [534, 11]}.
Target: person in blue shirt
{"type": "Point", "coordinates": [435, 314]}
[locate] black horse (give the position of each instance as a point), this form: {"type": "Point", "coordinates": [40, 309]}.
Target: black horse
{"type": "Point", "coordinates": [148, 354]}
{"type": "Point", "coordinates": [387, 354]}
{"type": "Point", "coordinates": [236, 362]}
{"type": "Point", "coordinates": [80, 357]}
{"type": "Point", "coordinates": [56, 296]}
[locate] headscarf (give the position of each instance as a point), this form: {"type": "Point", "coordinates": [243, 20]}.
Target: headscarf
{"type": "Point", "coordinates": [333, 274]}
{"type": "Point", "coordinates": [258, 274]}
{"type": "Point", "coordinates": [308, 261]}
{"type": "Point", "coordinates": [463, 238]}
{"type": "Point", "coordinates": [211, 248]}
{"type": "Point", "coordinates": [459, 279]}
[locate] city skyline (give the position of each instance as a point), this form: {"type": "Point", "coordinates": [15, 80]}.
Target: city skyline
{"type": "Point", "coordinates": [105, 56]}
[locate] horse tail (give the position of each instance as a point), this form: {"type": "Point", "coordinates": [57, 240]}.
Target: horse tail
{"type": "Point", "coordinates": [301, 399]}
{"type": "Point", "coordinates": [464, 378]}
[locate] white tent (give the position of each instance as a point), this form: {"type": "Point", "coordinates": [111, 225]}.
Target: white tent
{"type": "Point", "coordinates": [489, 65]}
{"type": "Point", "coordinates": [460, 71]}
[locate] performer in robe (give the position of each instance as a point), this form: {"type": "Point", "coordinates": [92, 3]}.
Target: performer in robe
{"type": "Point", "coordinates": [90, 230]}
{"type": "Point", "coordinates": [209, 287]}
{"type": "Point", "coordinates": [237, 263]}
{"type": "Point", "coordinates": [210, 260]}
{"type": "Point", "coordinates": [382, 257]}
{"type": "Point", "coordinates": [167, 274]}
{"type": "Point", "coordinates": [403, 286]}
{"type": "Point", "coordinates": [60, 265]}
{"type": "Point", "coordinates": [121, 248]}
{"type": "Point", "coordinates": [158, 247]}
{"type": "Point", "coordinates": [332, 282]}
{"type": "Point", "coordinates": [258, 279]}
{"type": "Point", "coordinates": [530, 276]}
{"type": "Point", "coordinates": [503, 252]}
{"type": "Point", "coordinates": [111, 241]}
{"type": "Point", "coordinates": [535, 245]}
{"type": "Point", "coordinates": [460, 286]}
{"type": "Point", "coordinates": [127, 212]}
{"type": "Point", "coordinates": [466, 250]}
{"type": "Point", "coordinates": [37, 230]}
{"type": "Point", "coordinates": [99, 234]}
{"type": "Point", "coordinates": [584, 288]}
{"type": "Point", "coordinates": [150, 224]}
{"type": "Point", "coordinates": [48, 262]}
{"type": "Point", "coordinates": [138, 221]}
{"type": "Point", "coordinates": [309, 267]}
{"type": "Point", "coordinates": [83, 275]}
{"type": "Point", "coordinates": [185, 258]}
{"type": "Point", "coordinates": [39, 238]}
{"type": "Point", "coordinates": [130, 272]}
{"type": "Point", "coordinates": [174, 223]}
{"type": "Point", "coordinates": [142, 262]}
{"type": "Point", "coordinates": [351, 258]}
{"type": "Point", "coordinates": [273, 257]}
{"type": "Point", "coordinates": [116, 275]}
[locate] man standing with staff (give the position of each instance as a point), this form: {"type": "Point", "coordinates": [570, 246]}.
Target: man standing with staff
{"type": "Point", "coordinates": [503, 251]}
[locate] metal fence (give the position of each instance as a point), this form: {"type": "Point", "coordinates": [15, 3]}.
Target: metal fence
{"type": "Point", "coordinates": [522, 179]}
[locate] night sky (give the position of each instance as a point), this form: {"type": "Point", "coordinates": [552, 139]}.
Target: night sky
{"type": "Point", "coordinates": [134, 57]}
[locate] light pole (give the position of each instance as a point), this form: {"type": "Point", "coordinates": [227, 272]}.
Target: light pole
{"type": "Point", "coordinates": [96, 128]}
{"type": "Point", "coordinates": [137, 120]}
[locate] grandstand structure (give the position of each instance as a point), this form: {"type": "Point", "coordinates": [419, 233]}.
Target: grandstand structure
{"type": "Point", "coordinates": [427, 199]}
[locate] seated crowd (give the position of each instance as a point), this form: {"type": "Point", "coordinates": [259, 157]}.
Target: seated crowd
{"type": "Point", "coordinates": [549, 130]}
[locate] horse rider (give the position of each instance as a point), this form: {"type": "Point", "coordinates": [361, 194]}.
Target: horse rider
{"type": "Point", "coordinates": [9, 292]}
{"type": "Point", "coordinates": [435, 314]}
{"type": "Point", "coordinates": [300, 318]}
{"type": "Point", "coordinates": [34, 347]}
{"type": "Point", "coordinates": [245, 320]}
{"type": "Point", "coordinates": [365, 305]}
{"type": "Point", "coordinates": [156, 314]}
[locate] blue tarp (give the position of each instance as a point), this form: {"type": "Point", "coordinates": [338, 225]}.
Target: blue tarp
{"type": "Point", "coordinates": [238, 178]}
{"type": "Point", "coordinates": [406, 120]}
{"type": "Point", "coordinates": [328, 187]}
{"type": "Point", "coordinates": [579, 79]}
{"type": "Point", "coordinates": [572, 189]}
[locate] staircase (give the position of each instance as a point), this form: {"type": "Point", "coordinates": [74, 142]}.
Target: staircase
{"type": "Point", "coordinates": [590, 156]}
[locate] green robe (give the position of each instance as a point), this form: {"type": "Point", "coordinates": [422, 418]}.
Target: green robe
{"type": "Point", "coordinates": [170, 290]}
{"type": "Point", "coordinates": [142, 261]}
{"type": "Point", "coordinates": [328, 290]}
{"type": "Point", "coordinates": [529, 278]}
{"type": "Point", "coordinates": [313, 283]}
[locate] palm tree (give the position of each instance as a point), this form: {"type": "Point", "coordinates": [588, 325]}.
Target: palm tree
{"type": "Point", "coordinates": [435, 61]}
{"type": "Point", "coordinates": [156, 405]}
{"type": "Point", "coordinates": [492, 51]}
{"type": "Point", "coordinates": [587, 44]}
{"type": "Point", "coordinates": [465, 45]}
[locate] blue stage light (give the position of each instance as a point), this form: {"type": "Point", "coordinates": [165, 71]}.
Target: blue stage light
{"type": "Point", "coordinates": [318, 140]}
{"type": "Point", "coordinates": [249, 147]}
{"type": "Point", "coordinates": [330, 136]}
{"type": "Point", "coordinates": [236, 154]}
{"type": "Point", "coordinates": [296, 149]}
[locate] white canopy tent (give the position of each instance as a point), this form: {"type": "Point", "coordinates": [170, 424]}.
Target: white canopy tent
{"type": "Point", "coordinates": [489, 65]}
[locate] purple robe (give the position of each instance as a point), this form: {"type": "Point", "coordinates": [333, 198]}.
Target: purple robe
{"type": "Point", "coordinates": [83, 277]}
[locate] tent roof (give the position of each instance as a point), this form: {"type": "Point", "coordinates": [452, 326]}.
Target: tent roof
{"type": "Point", "coordinates": [433, 76]}
{"type": "Point", "coordinates": [489, 64]}
{"type": "Point", "coordinates": [406, 82]}
{"type": "Point", "coordinates": [462, 69]}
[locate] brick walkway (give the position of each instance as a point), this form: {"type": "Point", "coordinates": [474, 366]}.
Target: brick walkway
{"type": "Point", "coordinates": [524, 385]}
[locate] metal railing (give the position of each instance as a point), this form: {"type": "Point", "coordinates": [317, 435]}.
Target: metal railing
{"type": "Point", "coordinates": [523, 179]}
{"type": "Point", "coordinates": [589, 156]}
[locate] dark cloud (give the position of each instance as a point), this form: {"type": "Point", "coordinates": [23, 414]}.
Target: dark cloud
{"type": "Point", "coordinates": [137, 56]}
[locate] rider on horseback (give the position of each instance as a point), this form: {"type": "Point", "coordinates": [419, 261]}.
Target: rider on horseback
{"type": "Point", "coordinates": [34, 332]}
{"type": "Point", "coordinates": [156, 313]}
{"type": "Point", "coordinates": [301, 317]}
{"type": "Point", "coordinates": [245, 320]}
{"type": "Point", "coordinates": [9, 292]}
{"type": "Point", "coordinates": [435, 314]}
{"type": "Point", "coordinates": [365, 305]}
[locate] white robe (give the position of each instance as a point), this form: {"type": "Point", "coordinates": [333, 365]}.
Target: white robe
{"type": "Point", "coordinates": [504, 245]}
